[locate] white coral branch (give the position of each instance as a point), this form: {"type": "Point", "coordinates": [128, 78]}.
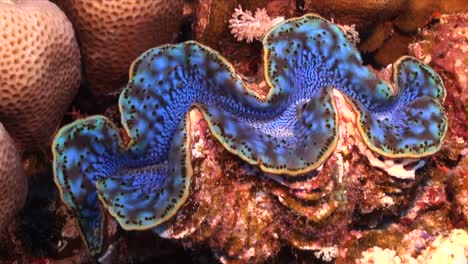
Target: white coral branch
{"type": "Point", "coordinates": [351, 33]}
{"type": "Point", "coordinates": [327, 254]}
{"type": "Point", "coordinates": [245, 25]}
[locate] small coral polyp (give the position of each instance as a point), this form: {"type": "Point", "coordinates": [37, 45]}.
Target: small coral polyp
{"type": "Point", "coordinates": [290, 132]}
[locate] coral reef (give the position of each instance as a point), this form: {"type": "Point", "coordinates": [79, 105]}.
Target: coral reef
{"type": "Point", "coordinates": [386, 27]}
{"type": "Point", "coordinates": [419, 211]}
{"type": "Point", "coordinates": [13, 183]}
{"type": "Point", "coordinates": [144, 183]}
{"type": "Point", "coordinates": [248, 141]}
{"type": "Point", "coordinates": [113, 33]}
{"type": "Point", "coordinates": [40, 66]}
{"type": "Point", "coordinates": [445, 47]}
{"type": "Point", "coordinates": [450, 249]}
{"type": "Point", "coordinates": [389, 40]}
{"type": "Point", "coordinates": [378, 255]}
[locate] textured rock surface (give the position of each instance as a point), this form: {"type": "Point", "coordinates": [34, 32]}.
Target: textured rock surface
{"type": "Point", "coordinates": [113, 33]}
{"type": "Point", "coordinates": [445, 47]}
{"type": "Point", "coordinates": [40, 70]}
{"type": "Point", "coordinates": [418, 14]}
{"type": "Point", "coordinates": [13, 183]}
{"type": "Point", "coordinates": [244, 216]}
{"type": "Point", "coordinates": [459, 186]}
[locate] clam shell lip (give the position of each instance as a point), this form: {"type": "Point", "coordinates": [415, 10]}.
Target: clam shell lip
{"type": "Point", "coordinates": [291, 131]}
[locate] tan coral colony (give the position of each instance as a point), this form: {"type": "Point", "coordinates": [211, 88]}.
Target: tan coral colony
{"type": "Point", "coordinates": [113, 33]}
{"type": "Point", "coordinates": [40, 69]}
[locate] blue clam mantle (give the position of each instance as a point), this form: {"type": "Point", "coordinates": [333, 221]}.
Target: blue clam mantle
{"type": "Point", "coordinates": [291, 131]}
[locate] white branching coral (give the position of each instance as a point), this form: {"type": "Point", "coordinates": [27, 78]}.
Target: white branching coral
{"type": "Point", "coordinates": [327, 254]}
{"type": "Point", "coordinates": [379, 255]}
{"type": "Point", "coordinates": [245, 25]}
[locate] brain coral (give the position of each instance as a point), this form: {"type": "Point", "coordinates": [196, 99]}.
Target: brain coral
{"type": "Point", "coordinates": [113, 33]}
{"type": "Point", "coordinates": [290, 132]}
{"type": "Point", "coordinates": [40, 69]}
{"type": "Point", "coordinates": [13, 183]}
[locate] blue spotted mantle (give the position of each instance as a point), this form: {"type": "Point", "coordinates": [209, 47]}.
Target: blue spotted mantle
{"type": "Point", "coordinates": [291, 131]}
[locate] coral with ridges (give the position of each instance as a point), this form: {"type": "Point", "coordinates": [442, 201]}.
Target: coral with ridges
{"type": "Point", "coordinates": [113, 32]}
{"type": "Point", "coordinates": [41, 70]}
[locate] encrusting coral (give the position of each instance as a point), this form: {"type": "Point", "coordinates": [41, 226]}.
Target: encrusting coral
{"type": "Point", "coordinates": [450, 249]}
{"type": "Point", "coordinates": [13, 182]}
{"type": "Point", "coordinates": [113, 33]}
{"type": "Point", "coordinates": [288, 134]}
{"type": "Point", "coordinates": [40, 70]}
{"type": "Point", "coordinates": [445, 47]}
